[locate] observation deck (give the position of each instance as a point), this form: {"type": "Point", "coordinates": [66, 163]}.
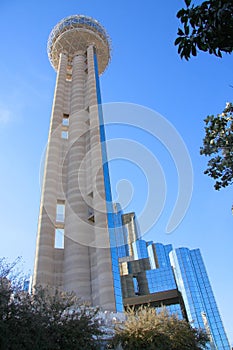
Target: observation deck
{"type": "Point", "coordinates": [74, 34]}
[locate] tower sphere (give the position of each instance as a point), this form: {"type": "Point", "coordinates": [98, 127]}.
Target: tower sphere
{"type": "Point", "coordinates": [74, 34]}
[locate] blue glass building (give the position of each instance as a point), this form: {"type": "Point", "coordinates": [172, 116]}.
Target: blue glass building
{"type": "Point", "coordinates": [194, 284]}
{"type": "Point", "coordinates": [176, 278]}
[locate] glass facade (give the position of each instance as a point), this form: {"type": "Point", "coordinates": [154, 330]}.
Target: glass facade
{"type": "Point", "coordinates": [183, 269]}
{"type": "Point", "coordinates": [151, 255]}
{"type": "Point", "coordinates": [200, 304]}
{"type": "Point", "coordinates": [109, 204]}
{"type": "Point", "coordinates": [174, 309]}
{"type": "Point", "coordinates": [121, 239]}
{"type": "Point", "coordinates": [162, 254]}
{"type": "Point", "coordinates": [161, 279]}
{"type": "Point", "coordinates": [140, 249]}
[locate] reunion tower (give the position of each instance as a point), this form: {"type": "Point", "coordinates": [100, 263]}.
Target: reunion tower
{"type": "Point", "coordinates": [75, 248]}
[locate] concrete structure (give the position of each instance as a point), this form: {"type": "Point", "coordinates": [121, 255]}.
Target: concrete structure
{"type": "Point", "coordinates": [76, 248]}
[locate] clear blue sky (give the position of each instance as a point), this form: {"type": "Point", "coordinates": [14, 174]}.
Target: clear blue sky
{"type": "Point", "coordinates": [145, 70]}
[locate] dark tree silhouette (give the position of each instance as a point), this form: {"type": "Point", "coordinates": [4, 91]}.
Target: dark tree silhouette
{"type": "Point", "coordinates": [206, 27]}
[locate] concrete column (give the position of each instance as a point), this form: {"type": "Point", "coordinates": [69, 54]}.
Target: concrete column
{"type": "Point", "coordinates": [102, 276]}
{"type": "Point", "coordinates": [76, 259]}
{"type": "Point", "coordinates": [44, 264]}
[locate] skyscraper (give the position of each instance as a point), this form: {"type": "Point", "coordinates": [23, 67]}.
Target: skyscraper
{"type": "Point", "coordinates": [85, 243]}
{"type": "Point", "coordinates": [194, 285]}
{"type": "Point", "coordinates": [146, 272]}
{"type": "Point", "coordinates": [76, 247]}
{"type": "Point", "coordinates": [176, 278]}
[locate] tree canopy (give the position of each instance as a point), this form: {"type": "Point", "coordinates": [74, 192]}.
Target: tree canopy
{"type": "Point", "coordinates": [45, 320]}
{"type": "Point", "coordinates": [218, 144]}
{"type": "Point", "coordinates": [54, 320]}
{"type": "Point", "coordinates": [148, 330]}
{"type": "Point", "coordinates": [207, 27]}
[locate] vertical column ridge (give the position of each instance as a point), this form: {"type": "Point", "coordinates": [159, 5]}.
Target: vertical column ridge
{"type": "Point", "coordinates": [76, 260]}
{"type": "Point", "coordinates": [102, 273]}
{"type": "Point", "coordinates": [44, 258]}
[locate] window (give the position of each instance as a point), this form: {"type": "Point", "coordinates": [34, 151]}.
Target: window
{"type": "Point", "coordinates": [90, 215]}
{"type": "Point", "coordinates": [65, 120]}
{"type": "Point", "coordinates": [64, 134]}
{"type": "Point", "coordinates": [136, 286]}
{"type": "Point", "coordinates": [60, 212]}
{"type": "Point", "coordinates": [59, 238]}
{"type": "Point", "coordinates": [65, 125]}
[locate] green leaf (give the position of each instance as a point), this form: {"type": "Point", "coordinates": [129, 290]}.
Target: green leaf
{"type": "Point", "coordinates": [211, 24]}
{"type": "Point", "coordinates": [180, 48]}
{"type": "Point", "coordinates": [186, 29]}
{"type": "Point", "coordinates": [187, 2]}
{"type": "Point", "coordinates": [194, 51]}
{"type": "Point", "coordinates": [180, 32]}
{"type": "Point", "coordinates": [178, 40]}
{"type": "Point", "coordinates": [180, 13]}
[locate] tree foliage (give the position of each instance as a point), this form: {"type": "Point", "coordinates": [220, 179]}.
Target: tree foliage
{"type": "Point", "coordinates": [145, 329]}
{"type": "Point", "coordinates": [218, 143]}
{"type": "Point", "coordinates": [207, 27]}
{"type": "Point", "coordinates": [45, 320]}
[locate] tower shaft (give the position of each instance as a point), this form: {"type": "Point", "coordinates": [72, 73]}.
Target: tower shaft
{"type": "Point", "coordinates": [74, 193]}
